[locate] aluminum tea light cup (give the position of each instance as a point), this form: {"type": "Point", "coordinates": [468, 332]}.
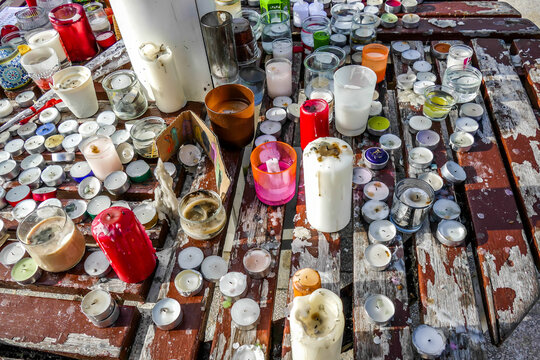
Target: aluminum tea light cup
{"type": "Point", "coordinates": [23, 209]}
{"type": "Point", "coordinates": [62, 157]}
{"type": "Point", "coordinates": [213, 268]}
{"type": "Point", "coordinates": [379, 309]}
{"type": "Point", "coordinates": [245, 314]}
{"type": "Point", "coordinates": [27, 130]}
{"type": "Point", "coordinates": [107, 118]}
{"type": "Point", "coordinates": [120, 136]}
{"type": "Point", "coordinates": [276, 114]}
{"type": "Point", "coordinates": [170, 168]}
{"type": "Point", "coordinates": [117, 183]}
{"type": "Point", "coordinates": [68, 127]}
{"type": "Point", "coordinates": [76, 210]}
{"type": "Point", "coordinates": [53, 175]}
{"type": "Point", "coordinates": [9, 169]}
{"type": "Point", "coordinates": [382, 232]}
{"type": "Point", "coordinates": [269, 127]}
{"type": "Point", "coordinates": [433, 179]}
{"type": "Point", "coordinates": [410, 56]}
{"type": "Point", "coordinates": [50, 116]}
{"type": "Point", "coordinates": [409, 6]}
{"type": "Point", "coordinates": [11, 254]}
{"type": "Point", "coordinates": [18, 194]}
{"type": "Point", "coordinates": [451, 233]}
{"type": "Point", "coordinates": [126, 153]}
{"type": "Point", "coordinates": [46, 130]}
{"type": "Point", "coordinates": [25, 99]}
{"type": "Point", "coordinates": [147, 215]}
{"type": "Point", "coordinates": [453, 173]}
{"type": "Point", "coordinates": [121, 203]}
{"type": "Point", "coordinates": [233, 285]}
{"type": "Point", "coordinates": [426, 76]}
{"type": "Point", "coordinates": [54, 143]}
{"type": "Point", "coordinates": [30, 177]}
{"type": "Point", "coordinates": [422, 66]}
{"type": "Point", "coordinates": [190, 258]}
{"type": "Point", "coordinates": [410, 21]}
{"type": "Point", "coordinates": [418, 123]}
{"type": "Point", "coordinates": [389, 20]}
{"type": "Point", "coordinates": [15, 147]}
{"type": "Point", "coordinates": [282, 102]}
{"type": "Point", "coordinates": [420, 157]}
{"type": "Point", "coordinates": [97, 205]}
{"type": "Point", "coordinates": [50, 202]}
{"type": "Point", "coordinates": [71, 142]}
{"type": "Point", "coordinates": [378, 125]}
{"type": "Point", "coordinates": [419, 87]}
{"type": "Point", "coordinates": [406, 81]}
{"type": "Point", "coordinates": [188, 282]}
{"type": "Point", "coordinates": [428, 342]}
{"type": "Point", "coordinates": [3, 204]}
{"type": "Point", "coordinates": [445, 209]}
{"type": "Point", "coordinates": [97, 264]}
{"type": "Point", "coordinates": [264, 139]}
{"type": "Point", "coordinates": [249, 352]}
{"type": "Point", "coordinates": [362, 175]}
{"type": "Point", "coordinates": [88, 129]}
{"type": "Point", "coordinates": [13, 129]}
{"type": "Point", "coordinates": [106, 130]}
{"type": "Point", "coordinates": [467, 124]}
{"type": "Point", "coordinates": [399, 47]}
{"type": "Point", "coordinates": [440, 50]}
{"type": "Point", "coordinates": [293, 112]}
{"type": "Point", "coordinates": [472, 110]}
{"type": "Point", "coordinates": [98, 305]}
{"type": "Point", "coordinates": [26, 271]}
{"type": "Point", "coordinates": [390, 143]}
{"type": "Point", "coordinates": [378, 256]}
{"type": "Point", "coordinates": [392, 7]}
{"type": "Point", "coordinates": [428, 139]}
{"type": "Point", "coordinates": [167, 314]}
{"type": "Point", "coordinates": [374, 210]}
{"type": "Point", "coordinates": [461, 141]}
{"type": "Point", "coordinates": [89, 187]}
{"type": "Point", "coordinates": [5, 137]}
{"type": "Point", "coordinates": [80, 171]}
{"type": "Point", "coordinates": [5, 108]}
{"type": "Point", "coordinates": [4, 155]}
{"type": "Point", "coordinates": [257, 262]}
{"type": "Point", "coordinates": [190, 156]}
{"type": "Point", "coordinates": [44, 193]}
{"type": "Point", "coordinates": [376, 190]}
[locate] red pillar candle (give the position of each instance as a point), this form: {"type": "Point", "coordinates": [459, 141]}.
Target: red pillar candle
{"type": "Point", "coordinates": [125, 243]}
{"type": "Point", "coordinates": [313, 121]}
{"type": "Point", "coordinates": [72, 24]}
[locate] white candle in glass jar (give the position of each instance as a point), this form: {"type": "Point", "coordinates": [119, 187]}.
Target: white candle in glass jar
{"type": "Point", "coordinates": [328, 173]}
{"type": "Point", "coordinates": [102, 157]}
{"type": "Point", "coordinates": [74, 85]}
{"type": "Point", "coordinates": [160, 70]}
{"type": "Point", "coordinates": [48, 38]}
{"type": "Point", "coordinates": [279, 77]}
{"type": "Point", "coordinates": [317, 323]}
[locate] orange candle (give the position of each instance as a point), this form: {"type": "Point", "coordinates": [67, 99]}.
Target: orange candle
{"type": "Point", "coordinates": [305, 281]}
{"type": "Point", "coordinates": [375, 57]}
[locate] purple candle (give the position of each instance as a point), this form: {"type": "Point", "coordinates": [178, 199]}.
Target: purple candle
{"type": "Point", "coordinates": [428, 139]}
{"type": "Point", "coordinates": [375, 158]}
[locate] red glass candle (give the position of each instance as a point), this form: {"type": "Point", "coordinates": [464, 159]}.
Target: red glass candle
{"type": "Point", "coordinates": [125, 243]}
{"type": "Point", "coordinates": [72, 24]}
{"type": "Point", "coordinates": [7, 29]}
{"type": "Point", "coordinates": [313, 121]}
{"type": "Point", "coordinates": [31, 2]}
{"type": "Point", "coordinates": [106, 39]}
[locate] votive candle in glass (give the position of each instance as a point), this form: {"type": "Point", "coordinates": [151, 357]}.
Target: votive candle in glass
{"type": "Point", "coordinates": [202, 215]}
{"type": "Point", "coordinates": [413, 199]}
{"type": "Point", "coordinates": [125, 94]}
{"type": "Point", "coordinates": [319, 71]}
{"type": "Point", "coordinates": [41, 64]}
{"type": "Point", "coordinates": [439, 101]}
{"type": "Point", "coordinates": [314, 116]}
{"type": "Point", "coordinates": [459, 54]}
{"type": "Point", "coordinates": [51, 39]}
{"type": "Point", "coordinates": [99, 22]}
{"type": "Point", "coordinates": [74, 85]}
{"type": "Point", "coordinates": [279, 77]}
{"type": "Point", "coordinates": [101, 155]}
{"type": "Point", "coordinates": [282, 49]}
{"type": "Point", "coordinates": [144, 134]}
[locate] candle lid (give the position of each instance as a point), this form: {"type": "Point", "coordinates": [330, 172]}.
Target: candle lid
{"type": "Point", "coordinates": [89, 187]}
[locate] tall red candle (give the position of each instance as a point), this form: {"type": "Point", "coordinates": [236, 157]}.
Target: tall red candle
{"type": "Point", "coordinates": [72, 24]}
{"type": "Point", "coordinates": [125, 243]}
{"type": "Point", "coordinates": [313, 121]}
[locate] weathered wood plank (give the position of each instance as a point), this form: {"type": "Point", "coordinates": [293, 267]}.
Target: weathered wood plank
{"type": "Point", "coordinates": [466, 9]}
{"type": "Point", "coordinates": [60, 327]}
{"type": "Point", "coordinates": [445, 284]}
{"type": "Point", "coordinates": [508, 272]}
{"type": "Point", "coordinates": [528, 51]}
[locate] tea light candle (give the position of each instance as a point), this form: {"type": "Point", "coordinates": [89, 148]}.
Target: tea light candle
{"type": "Point", "coordinates": [282, 102]}
{"type": "Point", "coordinates": [50, 116]}
{"type": "Point", "coordinates": [89, 187]}
{"type": "Point", "coordinates": [88, 128]}
{"type": "Point", "coordinates": [5, 108]}
{"type": "Point", "coordinates": [375, 109]}
{"type": "Point", "coordinates": [399, 47]}
{"type": "Point", "coordinates": [471, 110]}
{"type": "Point", "coordinates": [26, 98]}
{"type": "Point", "coordinates": [53, 175]}
{"type": "Point", "coordinates": [406, 81]}
{"type": "Point", "coordinates": [440, 50]}
{"type": "Point", "coordinates": [392, 6]}
{"type": "Point", "coordinates": [117, 183]}
{"type": "Point", "coordinates": [390, 142]}
{"type": "Point", "coordinates": [170, 168]}
{"type": "Point", "coordinates": [428, 342]}
{"type": "Point", "coordinates": [467, 124]}
{"type": "Point", "coordinates": [167, 314]}
{"type": "Point", "coordinates": [257, 262]}
{"type": "Point", "coordinates": [76, 210]}
{"type": "Point", "coordinates": [375, 158]}
{"type": "Point", "coordinates": [378, 125]}
{"type": "Point", "coordinates": [245, 314]}
{"type": "Point", "coordinates": [379, 309]}
{"type": "Point", "coordinates": [409, 6]}
{"type": "Point", "coordinates": [50, 202]}
{"type": "Point", "coordinates": [106, 39]}
{"type": "Point", "coordinates": [410, 56]}
{"type": "Point", "coordinates": [13, 129]}
{"type": "Point", "coordinates": [97, 264]}
{"type": "Point", "coordinates": [421, 66]}
{"type": "Point", "coordinates": [80, 170]}
{"type": "Point", "coordinates": [444, 209]}
{"type": "Point", "coordinates": [213, 268]}
{"type": "Point", "coordinates": [249, 352]}
{"type": "Point", "coordinates": [382, 232]}
{"type": "Point", "coordinates": [433, 179]}
{"type": "Point", "coordinates": [54, 143]}
{"type": "Point", "coordinates": [420, 86]}
{"type": "Point", "coordinates": [268, 127]}
{"type": "Point", "coordinates": [139, 171]}
{"type": "Point", "coordinates": [293, 112]}
{"type": "Point", "coordinates": [376, 190]}
{"type": "Point", "coordinates": [264, 139]}
{"type": "Point", "coordinates": [107, 118]}
{"type": "Point", "coordinates": [4, 155]}
{"type": "Point", "coordinates": [71, 142]}
{"type": "Point", "coordinates": [189, 156]}
{"type": "Point", "coordinates": [121, 203]}
{"type": "Point", "coordinates": [361, 175]}
{"type": "Point", "coordinates": [4, 138]}
{"type": "Point", "coordinates": [276, 114]}
{"type": "Point", "coordinates": [233, 285]}
{"type": "Point", "coordinates": [97, 205]}
{"type": "Point", "coordinates": [420, 157]}
{"type": "Point", "coordinates": [30, 177]}
{"type": "Point", "coordinates": [428, 139]}
{"type": "Point", "coordinates": [188, 282]}
{"type": "Point", "coordinates": [418, 123]}
{"type": "Point", "coordinates": [378, 256]}
{"type": "Point", "coordinates": [125, 152]}
{"type": "Point", "coordinates": [25, 271]}
{"type": "Point", "coordinates": [18, 194]}
{"type": "Point", "coordinates": [35, 144]}
{"type": "Point", "coordinates": [147, 215]}
{"type": "Point", "coordinates": [11, 254]}
{"type": "Point", "coordinates": [374, 210]}
{"type": "Point", "coordinates": [98, 305]}
{"type": "Point", "coordinates": [451, 233]}
{"type": "Point", "coordinates": [461, 141]}
{"type": "Point", "coordinates": [106, 130]}
{"type": "Point", "coordinates": [23, 209]}
{"type": "Point", "coordinates": [426, 76]}
{"type": "Point", "coordinates": [68, 127]}
{"type": "Point", "coordinates": [9, 169]}
{"type": "Point", "coordinates": [120, 136]}
{"type": "Point", "coordinates": [410, 21]}
{"type": "Point", "coordinates": [27, 130]}
{"type": "Point", "coordinates": [62, 157]}
{"type": "Point", "coordinates": [46, 130]}
{"type": "Point", "coordinates": [190, 258]}
{"type": "Point", "coordinates": [453, 173]}
{"type": "Point", "coordinates": [279, 78]}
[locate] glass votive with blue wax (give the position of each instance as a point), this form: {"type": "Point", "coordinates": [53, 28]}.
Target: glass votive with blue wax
{"type": "Point", "coordinates": [253, 78]}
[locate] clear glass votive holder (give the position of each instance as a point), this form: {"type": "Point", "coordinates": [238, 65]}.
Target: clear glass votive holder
{"type": "Point", "coordinates": [276, 25]}
{"type": "Point", "coordinates": [363, 30]}
{"type": "Point", "coordinates": [232, 6]}
{"type": "Point", "coordinates": [336, 50]}
{"type": "Point", "coordinates": [459, 54]}
{"type": "Point", "coordinates": [48, 5]}
{"type": "Point", "coordinates": [439, 100]}
{"type": "Point", "coordinates": [253, 77]}
{"type": "Point", "coordinates": [41, 64]}
{"type": "Point", "coordinates": [14, 39]}
{"type": "Point", "coordinates": [97, 17]}
{"type": "Point", "coordinates": [279, 77]}
{"type": "Point", "coordinates": [412, 201]}
{"type": "Point", "coordinates": [465, 80]}
{"type": "Point", "coordinates": [282, 49]}
{"type": "Point", "coordinates": [125, 94]}
{"type": "Point", "coordinates": [202, 215]}
{"type": "Point", "coordinates": [32, 17]}
{"type": "Point", "coordinates": [310, 26]}
{"type": "Point", "coordinates": [254, 19]}
{"type": "Point", "coordinates": [342, 17]}
{"type": "Point", "coordinates": [274, 172]}
{"type": "Point", "coordinates": [144, 134]}
{"type": "Point", "coordinates": [319, 71]}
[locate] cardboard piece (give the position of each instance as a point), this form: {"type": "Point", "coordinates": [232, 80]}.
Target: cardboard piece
{"type": "Point", "coordinates": [189, 128]}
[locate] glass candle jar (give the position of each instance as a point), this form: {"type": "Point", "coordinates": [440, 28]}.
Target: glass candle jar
{"type": "Point", "coordinates": [279, 77]}
{"type": "Point", "coordinates": [439, 101]}
{"type": "Point", "coordinates": [52, 239]}
{"type": "Point", "coordinates": [48, 38]}
{"type": "Point", "coordinates": [465, 80]}
{"type": "Point", "coordinates": [217, 31]}
{"type": "Point", "coordinates": [314, 121]}
{"type": "Point", "coordinates": [254, 19]}
{"type": "Point", "coordinates": [77, 37]}
{"type": "Point", "coordinates": [247, 51]}
{"type": "Point", "coordinates": [375, 57]}
{"type": "Point", "coordinates": [144, 134]}
{"type": "Point", "coordinates": [14, 39]}
{"type": "Point", "coordinates": [282, 49]}
{"type": "Point", "coordinates": [253, 77]}
{"type": "Point", "coordinates": [363, 30]}
{"type": "Point", "coordinates": [30, 18]}
{"type": "Point", "coordinates": [342, 17]}
{"type": "Point", "coordinates": [336, 50]}
{"type": "Point", "coordinates": [413, 199]}
{"type": "Point", "coordinates": [459, 55]}
{"type": "Point", "coordinates": [275, 26]}
{"type": "Point", "coordinates": [202, 215]}
{"type": "Point", "coordinates": [75, 86]}
{"type": "Point", "coordinates": [274, 172]}
{"type": "Point", "coordinates": [319, 71]}
{"type": "Point", "coordinates": [41, 64]}
{"type": "Point", "coordinates": [310, 26]}
{"type": "Point", "coordinates": [12, 74]}
{"type": "Point", "coordinates": [101, 155]}
{"type": "Point", "coordinates": [125, 94]}
{"type": "Point", "coordinates": [231, 6]}
{"type": "Point", "coordinates": [353, 91]}
{"type": "Point", "coordinates": [99, 22]}
{"type": "Point", "coordinates": [48, 5]}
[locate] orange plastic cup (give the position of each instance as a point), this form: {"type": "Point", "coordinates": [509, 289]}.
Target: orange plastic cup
{"type": "Point", "coordinates": [375, 57]}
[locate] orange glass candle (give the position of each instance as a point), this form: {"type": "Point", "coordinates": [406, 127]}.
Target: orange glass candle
{"type": "Point", "coordinates": [375, 57]}
{"type": "Point", "coordinates": [305, 281]}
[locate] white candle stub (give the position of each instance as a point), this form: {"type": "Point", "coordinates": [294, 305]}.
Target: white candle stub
{"type": "Point", "coordinates": [418, 123]}
{"type": "Point", "coordinates": [451, 233]}
{"type": "Point", "coordinates": [167, 314]}
{"type": "Point", "coordinates": [390, 142]}
{"type": "Point", "coordinates": [433, 179]}
{"type": "Point", "coordinates": [11, 254]}
{"type": "Point", "coordinates": [257, 262]}
{"type": "Point", "coordinates": [382, 231]}
{"type": "Point", "coordinates": [213, 268]}
{"type": "Point", "coordinates": [374, 210]}
{"type": "Point", "coordinates": [190, 258]}
{"type": "Point", "coordinates": [362, 175]}
{"type": "Point", "coordinates": [445, 209]}
{"type": "Point", "coordinates": [378, 256]}
{"type": "Point", "coordinates": [426, 76]}
{"type": "Point", "coordinates": [376, 190]}
{"type": "Point", "coordinates": [188, 282]}
{"type": "Point", "coordinates": [245, 314]}
{"type": "Point", "coordinates": [428, 341]}
{"type": "Point", "coordinates": [97, 264]}
{"type": "Point", "coordinates": [379, 308]}
{"type": "Point", "coordinates": [249, 352]}
{"type": "Point", "coordinates": [233, 285]}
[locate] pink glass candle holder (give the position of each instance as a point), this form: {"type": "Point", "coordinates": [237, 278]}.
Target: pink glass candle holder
{"type": "Point", "coordinates": [274, 172]}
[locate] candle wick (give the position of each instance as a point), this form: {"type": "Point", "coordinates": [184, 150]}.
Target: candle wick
{"type": "Point", "coordinates": [164, 310]}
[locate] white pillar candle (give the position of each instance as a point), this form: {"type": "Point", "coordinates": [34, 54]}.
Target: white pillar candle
{"type": "Point", "coordinates": [467, 124]}
{"type": "Point", "coordinates": [11, 254]}
{"type": "Point", "coordinates": [317, 323]}
{"type": "Point", "coordinates": [213, 268]}
{"type": "Point", "coordinates": [451, 233]}
{"type": "Point", "coordinates": [167, 314]}
{"type": "Point", "coordinates": [188, 282]}
{"type": "Point", "coordinates": [379, 308]}
{"type": "Point", "coordinates": [382, 231]}
{"type": "Point", "coordinates": [374, 210]}
{"type": "Point", "coordinates": [420, 157]}
{"type": "Point", "coordinates": [48, 38]}
{"type": "Point", "coordinates": [160, 70]}
{"type": "Point", "coordinates": [453, 173]}
{"type": "Point", "coordinates": [444, 209]}
{"type": "Point", "coordinates": [390, 142]}
{"type": "Point", "coordinates": [428, 342]}
{"type": "Point", "coordinates": [328, 172]}
{"type": "Point", "coordinates": [433, 179]}
{"type": "Point", "coordinates": [97, 264]}
{"type": "Point", "coordinates": [257, 262]}
{"type": "Point", "coordinates": [362, 175]}
{"type": "Point", "coordinates": [74, 85]}
{"type": "Point", "coordinates": [5, 108]}
{"type": "Point", "coordinates": [233, 285]}
{"type": "Point", "coordinates": [190, 258]}
{"type": "Point", "coordinates": [249, 352]}
{"type": "Point", "coordinates": [279, 78]}
{"type": "Point", "coordinates": [376, 190]}
{"type": "Point", "coordinates": [472, 110]}
{"type": "Point", "coordinates": [418, 123]}
{"type": "Point", "coordinates": [378, 256]}
{"type": "Point", "coordinates": [245, 314]}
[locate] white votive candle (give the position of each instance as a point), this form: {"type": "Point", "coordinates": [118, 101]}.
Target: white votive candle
{"type": "Point", "coordinates": [279, 77]}
{"type": "Point", "coordinates": [233, 285]}
{"type": "Point", "coordinates": [97, 264]}
{"type": "Point", "coordinates": [213, 268]}
{"type": "Point", "coordinates": [245, 314]}
{"type": "Point", "coordinates": [428, 342]}
{"type": "Point", "coordinates": [190, 258]}
{"type": "Point", "coordinates": [167, 314]}
{"type": "Point", "coordinates": [74, 85]}
{"type": "Point", "coordinates": [420, 157]}
{"type": "Point", "coordinates": [379, 309]}
{"type": "Point", "coordinates": [257, 262]}
{"type": "Point", "coordinates": [451, 233]}
{"type": "Point", "coordinates": [11, 254]}
{"type": "Point", "coordinates": [188, 282]}
{"type": "Point", "coordinates": [374, 210]}
{"type": "Point", "coordinates": [378, 256]}
{"type": "Point", "coordinates": [376, 190]}
{"type": "Point", "coordinates": [382, 231]}
{"type": "Point", "coordinates": [444, 209]}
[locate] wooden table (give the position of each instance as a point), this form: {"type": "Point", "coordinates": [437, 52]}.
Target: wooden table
{"type": "Point", "coordinates": [492, 276]}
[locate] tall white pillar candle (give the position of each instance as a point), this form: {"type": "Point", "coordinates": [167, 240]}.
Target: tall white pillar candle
{"type": "Point", "coordinates": [328, 171]}
{"type": "Point", "coordinates": [317, 325]}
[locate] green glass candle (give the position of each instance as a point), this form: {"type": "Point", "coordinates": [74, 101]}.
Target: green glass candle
{"type": "Point", "coordinates": [320, 38]}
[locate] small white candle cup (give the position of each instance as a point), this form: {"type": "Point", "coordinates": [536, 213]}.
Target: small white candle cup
{"type": "Point", "coordinates": [410, 56]}
{"type": "Point", "coordinates": [167, 314]}
{"type": "Point", "coordinates": [190, 258]}
{"type": "Point", "coordinates": [213, 268]}
{"type": "Point", "coordinates": [245, 314]}
{"type": "Point", "coordinates": [257, 262]}
{"type": "Point", "coordinates": [453, 173]}
{"type": "Point", "coordinates": [390, 143]}
{"type": "Point", "coordinates": [249, 352]}
{"type": "Point", "coordinates": [362, 176]}
{"type": "Point", "coordinates": [276, 114]}
{"type": "Point", "coordinates": [382, 232]}
{"type": "Point", "coordinates": [422, 66]}
{"type": "Point", "coordinates": [419, 87]}
{"type": "Point", "coordinates": [428, 139]}
{"type": "Point", "coordinates": [74, 85]}
{"type": "Point", "coordinates": [461, 141]}
{"type": "Point", "coordinates": [426, 76]}
{"type": "Point", "coordinates": [378, 256]}
{"type": "Point", "coordinates": [399, 47]}
{"type": "Point", "coordinates": [472, 110]}
{"type": "Point", "coordinates": [188, 282]}
{"type": "Point", "coordinates": [11, 254]}
{"type": "Point", "coordinates": [97, 264]}
{"type": "Point", "coordinates": [376, 190]}
{"type": "Point", "coordinates": [98, 305]}
{"type": "Point", "coordinates": [444, 209]}
{"type": "Point", "coordinates": [374, 210]}
{"type": "Point", "coordinates": [269, 127]}
{"type": "Point", "coordinates": [418, 123]}
{"type": "Point", "coordinates": [233, 285]}
{"type": "Point", "coordinates": [282, 102]}
{"type": "Point", "coordinates": [410, 21]}
{"type": "Point", "coordinates": [379, 309]}
{"type": "Point", "coordinates": [420, 157]}
{"type": "Point", "coordinates": [428, 342]}
{"type": "Point", "coordinates": [467, 124]}
{"type": "Point", "coordinates": [433, 179]}
{"type": "Point", "coordinates": [451, 233]}
{"type": "Point", "coordinates": [406, 81]}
